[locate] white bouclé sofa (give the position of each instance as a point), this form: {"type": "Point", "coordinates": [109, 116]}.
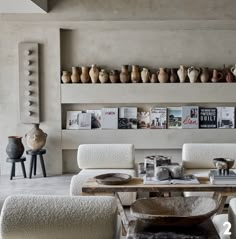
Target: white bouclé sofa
{"type": "Point", "coordinates": [96, 159]}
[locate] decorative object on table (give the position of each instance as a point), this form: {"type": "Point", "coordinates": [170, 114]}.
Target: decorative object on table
{"type": "Point", "coordinates": [113, 178]}
{"type": "Point", "coordinates": [15, 148]}
{"type": "Point", "coordinates": [33, 161]}
{"type": "Point", "coordinates": [190, 119]}
{"type": "Point", "coordinates": [36, 138]}
{"type": "Point", "coordinates": [114, 76]}
{"type": "Point", "coordinates": [216, 76]}
{"type": "Point", "coordinates": [162, 173]}
{"type": "Point", "coordinates": [127, 118]}
{"type": "Point", "coordinates": [225, 117]}
{"type": "Point", "coordinates": [124, 74]}
{"type": "Point", "coordinates": [204, 76]}
{"type": "Point", "coordinates": [29, 90]}
{"type": "Point", "coordinates": [94, 73]}
{"type": "Point", "coordinates": [103, 76]}
{"type": "Point", "coordinates": [175, 117]}
{"type": "Point", "coordinates": [190, 210]}
{"type": "Point", "coordinates": [233, 70]}
{"type": "Point", "coordinates": [145, 75]}
{"type": "Point", "coordinates": [109, 118]}
{"type": "Point", "coordinates": [182, 73]}
{"type": "Point", "coordinates": [207, 117]}
{"type": "Point", "coordinates": [84, 120]}
{"type": "Point", "coordinates": [96, 118]}
{"type": "Point", "coordinates": [173, 76]}
{"type": "Point", "coordinates": [72, 119]}
{"type": "Point", "coordinates": [153, 78]}
{"type": "Point", "coordinates": [193, 73]}
{"type": "Point", "coordinates": [217, 178]}
{"type": "Point", "coordinates": [143, 120]}
{"type": "Point", "coordinates": [84, 77]}
{"type": "Point", "coordinates": [158, 117]}
{"type": "Point", "coordinates": [75, 77]}
{"type": "Point", "coordinates": [13, 167]}
{"type": "Point", "coordinates": [66, 77]}
{"type": "Point", "coordinates": [223, 165]}
{"type": "Point", "coordinates": [229, 77]}
{"type": "Point", "coordinates": [162, 75]}
{"type": "Point", "coordinates": [135, 74]}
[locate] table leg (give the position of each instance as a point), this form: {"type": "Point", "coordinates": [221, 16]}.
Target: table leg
{"type": "Point", "coordinates": [35, 164]}
{"type": "Point", "coordinates": [42, 165]}
{"type": "Point", "coordinates": [12, 170]}
{"type": "Point", "coordinates": [221, 199]}
{"type": "Point", "coordinates": [31, 166]}
{"type": "Point", "coordinates": [23, 169]}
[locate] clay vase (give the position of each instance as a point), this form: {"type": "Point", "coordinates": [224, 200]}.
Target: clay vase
{"type": "Point", "coordinates": [233, 70]}
{"type": "Point", "coordinates": [153, 78]}
{"type": "Point", "coordinates": [182, 73]}
{"type": "Point", "coordinates": [135, 74]}
{"type": "Point", "coordinates": [36, 138]}
{"type": "Point", "coordinates": [162, 76]}
{"type": "Point", "coordinates": [85, 74]}
{"type": "Point", "coordinates": [66, 77]}
{"type": "Point", "coordinates": [94, 73]}
{"type": "Point", "coordinates": [204, 77]}
{"type": "Point", "coordinates": [145, 75]}
{"type": "Point", "coordinates": [229, 77]}
{"type": "Point", "coordinates": [114, 76]}
{"type": "Point", "coordinates": [103, 76]}
{"type": "Point", "coordinates": [193, 74]}
{"type": "Point", "coordinates": [216, 76]}
{"type": "Point", "coordinates": [75, 77]}
{"type": "Point", "coordinates": [124, 74]}
{"type": "Point", "coordinates": [15, 148]}
{"type": "Point", "coordinates": [173, 76]}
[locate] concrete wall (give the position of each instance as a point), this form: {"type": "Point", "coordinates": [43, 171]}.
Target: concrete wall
{"type": "Point", "coordinates": [148, 32]}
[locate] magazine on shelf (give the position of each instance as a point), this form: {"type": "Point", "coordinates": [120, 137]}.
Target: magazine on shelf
{"type": "Point", "coordinates": [72, 119]}
{"type": "Point", "coordinates": [127, 118]}
{"type": "Point", "coordinates": [207, 118]}
{"type": "Point", "coordinates": [143, 120]}
{"type": "Point", "coordinates": [225, 117]}
{"type": "Point", "coordinates": [158, 118]}
{"type": "Point", "coordinates": [174, 117]}
{"type": "Point", "coordinates": [190, 118]}
{"type": "Point", "coordinates": [109, 118]}
{"type": "Point", "coordinates": [96, 118]}
{"type": "Point", "coordinates": [84, 120]}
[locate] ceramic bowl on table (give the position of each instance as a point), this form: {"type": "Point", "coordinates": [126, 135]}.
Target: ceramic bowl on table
{"type": "Point", "coordinates": [229, 163]}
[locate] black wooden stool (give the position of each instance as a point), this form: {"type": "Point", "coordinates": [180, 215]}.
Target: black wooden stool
{"type": "Point", "coordinates": [33, 161]}
{"type": "Point", "coordinates": [13, 167]}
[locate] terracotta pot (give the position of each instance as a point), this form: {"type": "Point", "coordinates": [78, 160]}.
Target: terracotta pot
{"type": "Point", "coordinates": [75, 77]}
{"type": "Point", "coordinates": [216, 76]}
{"type": "Point", "coordinates": [85, 74]}
{"type": "Point", "coordinates": [36, 138]}
{"type": "Point", "coordinates": [145, 75]}
{"type": "Point", "coordinates": [182, 73]}
{"type": "Point", "coordinates": [124, 74]}
{"type": "Point", "coordinates": [162, 76]}
{"type": "Point", "coordinates": [204, 77]}
{"type": "Point", "coordinates": [66, 77]}
{"type": "Point", "coordinates": [114, 76]}
{"type": "Point", "coordinates": [193, 73]}
{"type": "Point", "coordinates": [153, 78]}
{"type": "Point", "coordinates": [103, 76]}
{"type": "Point", "coordinates": [15, 148]}
{"type": "Point", "coordinates": [173, 76]}
{"type": "Point", "coordinates": [135, 74]}
{"type": "Point", "coordinates": [94, 73]}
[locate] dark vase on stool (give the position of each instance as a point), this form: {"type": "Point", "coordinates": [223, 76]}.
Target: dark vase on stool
{"type": "Point", "coordinates": [15, 148]}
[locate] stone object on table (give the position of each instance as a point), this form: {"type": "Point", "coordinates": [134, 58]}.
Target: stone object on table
{"type": "Point", "coordinates": [162, 173]}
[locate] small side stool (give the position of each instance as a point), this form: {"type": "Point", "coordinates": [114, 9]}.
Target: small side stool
{"type": "Point", "coordinates": [13, 167]}
{"type": "Point", "coordinates": [33, 161]}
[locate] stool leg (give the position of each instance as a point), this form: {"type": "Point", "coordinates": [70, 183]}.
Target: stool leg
{"type": "Point", "coordinates": [42, 165]}
{"type": "Point", "coordinates": [23, 169]}
{"type": "Point", "coordinates": [35, 164]}
{"type": "Point", "coordinates": [12, 171]}
{"type": "Point", "coordinates": [31, 166]}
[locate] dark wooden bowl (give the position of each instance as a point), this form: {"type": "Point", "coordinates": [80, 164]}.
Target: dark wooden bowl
{"type": "Point", "coordinates": [174, 211]}
{"type": "Point", "coordinates": [228, 161]}
{"type": "Point", "coordinates": [113, 178]}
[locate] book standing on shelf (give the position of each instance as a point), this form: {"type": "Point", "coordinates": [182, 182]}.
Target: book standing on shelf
{"type": "Point", "coordinates": [84, 120]}
{"type": "Point", "coordinates": [190, 118]}
{"type": "Point", "coordinates": [207, 118]}
{"type": "Point", "coordinates": [225, 117]}
{"type": "Point", "coordinates": [109, 118]}
{"type": "Point", "coordinates": [143, 120]}
{"type": "Point", "coordinates": [127, 118]}
{"type": "Point", "coordinates": [175, 117]}
{"type": "Point", "coordinates": [158, 118]}
{"type": "Point", "coordinates": [96, 118]}
{"type": "Point", "coordinates": [72, 119]}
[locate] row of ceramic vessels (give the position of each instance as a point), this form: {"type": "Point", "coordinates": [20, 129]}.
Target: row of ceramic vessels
{"type": "Point", "coordinates": [163, 75]}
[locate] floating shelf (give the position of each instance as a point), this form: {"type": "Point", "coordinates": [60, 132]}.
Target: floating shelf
{"type": "Point", "coordinates": [148, 93]}
{"type": "Point", "coordinates": [147, 138]}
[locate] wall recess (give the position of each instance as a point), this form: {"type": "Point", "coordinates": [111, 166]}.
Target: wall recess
{"type": "Point", "coordinates": [29, 82]}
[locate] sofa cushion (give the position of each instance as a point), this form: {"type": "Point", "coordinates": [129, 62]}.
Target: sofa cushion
{"type": "Point", "coordinates": [105, 156]}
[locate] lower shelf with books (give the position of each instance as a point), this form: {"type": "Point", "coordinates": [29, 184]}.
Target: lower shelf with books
{"type": "Point", "coordinates": [147, 138]}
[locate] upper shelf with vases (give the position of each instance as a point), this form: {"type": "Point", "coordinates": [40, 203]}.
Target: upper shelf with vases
{"type": "Point", "coordinates": [137, 74]}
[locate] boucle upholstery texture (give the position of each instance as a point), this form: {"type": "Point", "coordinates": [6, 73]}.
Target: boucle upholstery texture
{"type": "Point", "coordinates": [105, 156]}
{"type": "Point", "coordinates": [59, 217]}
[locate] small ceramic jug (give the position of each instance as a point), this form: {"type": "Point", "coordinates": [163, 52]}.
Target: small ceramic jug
{"type": "Point", "coordinates": [204, 77]}
{"type": "Point", "coordinates": [173, 76]}
{"type": "Point", "coordinates": [66, 77]}
{"type": "Point", "coordinates": [145, 75]}
{"type": "Point", "coordinates": [216, 76]}
{"type": "Point", "coordinates": [193, 74]}
{"type": "Point", "coordinates": [229, 77]}
{"type": "Point", "coordinates": [94, 73]}
{"type": "Point", "coordinates": [153, 78]}
{"type": "Point", "coordinates": [162, 75]}
{"type": "Point", "coordinates": [15, 148]}
{"type": "Point", "coordinates": [124, 74]}
{"type": "Point", "coordinates": [85, 74]}
{"type": "Point", "coordinates": [182, 73]}
{"type": "Point", "coordinates": [103, 76]}
{"type": "Point", "coordinates": [114, 76]}
{"type": "Point", "coordinates": [135, 74]}
{"type": "Point", "coordinates": [233, 70]}
{"type": "Point", "coordinates": [75, 77]}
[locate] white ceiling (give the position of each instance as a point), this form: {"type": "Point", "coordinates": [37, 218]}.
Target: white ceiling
{"type": "Point", "coordinates": [23, 6]}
